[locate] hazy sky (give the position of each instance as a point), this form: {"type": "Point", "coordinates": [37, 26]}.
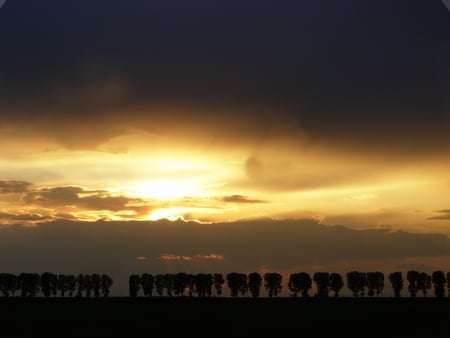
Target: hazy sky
{"type": "Point", "coordinates": [332, 116]}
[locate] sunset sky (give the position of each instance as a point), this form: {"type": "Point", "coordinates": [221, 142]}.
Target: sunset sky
{"type": "Point", "coordinates": [242, 135]}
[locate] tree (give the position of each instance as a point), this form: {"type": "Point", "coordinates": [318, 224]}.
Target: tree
{"type": "Point", "coordinates": [168, 283]}
{"type": "Point", "coordinates": [159, 284]}
{"type": "Point", "coordinates": [180, 281]}
{"type": "Point", "coordinates": [61, 284]}
{"type": "Point", "coordinates": [9, 283]}
{"type": "Point", "coordinates": [272, 283]}
{"type": "Point", "coordinates": [105, 284]}
{"type": "Point", "coordinates": [204, 283]}
{"type": "Point", "coordinates": [49, 284]}
{"type": "Point", "coordinates": [322, 280]}
{"type": "Point", "coordinates": [219, 281]}
{"type": "Point", "coordinates": [191, 283]}
{"type": "Point", "coordinates": [134, 285]}
{"type": "Point", "coordinates": [336, 283]}
{"type": "Point", "coordinates": [294, 283]}
{"type": "Point", "coordinates": [80, 285]}
{"type": "Point", "coordinates": [29, 284]}
{"type": "Point", "coordinates": [71, 284]}
{"type": "Point", "coordinates": [237, 283]}
{"type": "Point", "coordinates": [95, 278]}
{"type": "Point", "coordinates": [254, 284]}
{"type": "Point", "coordinates": [412, 276]}
{"type": "Point", "coordinates": [375, 283]}
{"type": "Point", "coordinates": [88, 285]}
{"type": "Point", "coordinates": [357, 283]}
{"type": "Point", "coordinates": [448, 282]}
{"type": "Point", "coordinates": [305, 283]}
{"type": "Point", "coordinates": [147, 283]}
{"type": "Point", "coordinates": [438, 280]}
{"type": "Point", "coordinates": [396, 279]}
{"type": "Point", "coordinates": [424, 283]}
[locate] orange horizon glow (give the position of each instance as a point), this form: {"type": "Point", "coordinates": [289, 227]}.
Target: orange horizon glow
{"type": "Point", "coordinates": [146, 185]}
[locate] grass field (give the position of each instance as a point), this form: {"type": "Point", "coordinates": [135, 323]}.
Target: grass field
{"type": "Point", "coordinates": [123, 317]}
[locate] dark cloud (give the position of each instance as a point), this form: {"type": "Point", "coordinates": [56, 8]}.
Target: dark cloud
{"type": "Point", "coordinates": [14, 186]}
{"type": "Point", "coordinates": [64, 246]}
{"type": "Point", "coordinates": [350, 73]}
{"type": "Point", "coordinates": [444, 215]}
{"type": "Point", "coordinates": [4, 216]}
{"type": "Point", "coordinates": [241, 199]}
{"type": "Point", "coordinates": [82, 199]}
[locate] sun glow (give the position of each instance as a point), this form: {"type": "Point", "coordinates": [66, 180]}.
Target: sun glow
{"type": "Point", "coordinates": [176, 213]}
{"type": "Point", "coordinates": [168, 189]}
{"type": "Point", "coordinates": [172, 214]}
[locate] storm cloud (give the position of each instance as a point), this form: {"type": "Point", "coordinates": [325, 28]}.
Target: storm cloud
{"type": "Point", "coordinates": [350, 73]}
{"type": "Point", "coordinates": [120, 248]}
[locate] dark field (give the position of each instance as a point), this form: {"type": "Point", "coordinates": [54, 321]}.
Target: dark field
{"type": "Point", "coordinates": [145, 317]}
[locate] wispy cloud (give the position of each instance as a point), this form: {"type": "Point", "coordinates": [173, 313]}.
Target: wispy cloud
{"type": "Point", "coordinates": [80, 199]}
{"type": "Point", "coordinates": [14, 186]}
{"type": "Point", "coordinates": [241, 199]}
{"type": "Point", "coordinates": [4, 216]}
{"type": "Point", "coordinates": [174, 257]}
{"type": "Point", "coordinates": [443, 215]}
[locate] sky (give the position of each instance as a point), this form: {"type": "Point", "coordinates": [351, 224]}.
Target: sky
{"type": "Point", "coordinates": [210, 135]}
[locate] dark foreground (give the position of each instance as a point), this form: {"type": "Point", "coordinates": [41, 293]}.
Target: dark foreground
{"type": "Point", "coordinates": [298, 317]}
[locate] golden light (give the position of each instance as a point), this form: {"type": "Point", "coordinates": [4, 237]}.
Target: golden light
{"type": "Point", "coordinates": [171, 214]}
{"type": "Point", "coordinates": [175, 213]}
{"type": "Point", "coordinates": [168, 189]}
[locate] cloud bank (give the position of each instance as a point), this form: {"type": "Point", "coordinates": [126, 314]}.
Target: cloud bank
{"type": "Point", "coordinates": [121, 248]}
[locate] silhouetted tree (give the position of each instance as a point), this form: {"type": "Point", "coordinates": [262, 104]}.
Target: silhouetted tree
{"type": "Point", "coordinates": [322, 280]}
{"type": "Point", "coordinates": [294, 284]}
{"type": "Point", "coordinates": [159, 284]}
{"type": "Point", "coordinates": [168, 283]}
{"type": "Point", "coordinates": [254, 284]}
{"type": "Point", "coordinates": [204, 283]}
{"type": "Point", "coordinates": [357, 283]}
{"type": "Point", "coordinates": [191, 283]}
{"type": "Point", "coordinates": [448, 283]}
{"type": "Point", "coordinates": [147, 282]}
{"type": "Point", "coordinates": [272, 283]}
{"type": "Point", "coordinates": [438, 280]}
{"type": "Point", "coordinates": [219, 281]}
{"type": "Point", "coordinates": [88, 285]}
{"type": "Point", "coordinates": [106, 283]}
{"type": "Point", "coordinates": [80, 285]}
{"type": "Point", "coordinates": [237, 283]}
{"type": "Point", "coordinates": [61, 284]}
{"type": "Point", "coordinates": [71, 284]}
{"type": "Point", "coordinates": [396, 279]}
{"type": "Point", "coordinates": [95, 279]}
{"type": "Point", "coordinates": [305, 283]}
{"type": "Point", "coordinates": [49, 284]}
{"type": "Point", "coordinates": [180, 281]}
{"type": "Point", "coordinates": [375, 283]}
{"type": "Point", "coordinates": [300, 283]}
{"type": "Point", "coordinates": [9, 283]}
{"type": "Point", "coordinates": [134, 285]}
{"type": "Point", "coordinates": [412, 276]}
{"type": "Point", "coordinates": [336, 283]}
{"type": "Point", "coordinates": [29, 284]}
{"type": "Point", "coordinates": [424, 283]}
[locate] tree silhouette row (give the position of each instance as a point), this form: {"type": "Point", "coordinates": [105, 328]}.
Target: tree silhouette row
{"type": "Point", "coordinates": [299, 284]}
{"type": "Point", "coordinates": [361, 284]}
{"type": "Point", "coordinates": [49, 284]}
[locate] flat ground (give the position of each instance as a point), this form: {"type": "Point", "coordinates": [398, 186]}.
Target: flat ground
{"type": "Point", "coordinates": [303, 317]}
